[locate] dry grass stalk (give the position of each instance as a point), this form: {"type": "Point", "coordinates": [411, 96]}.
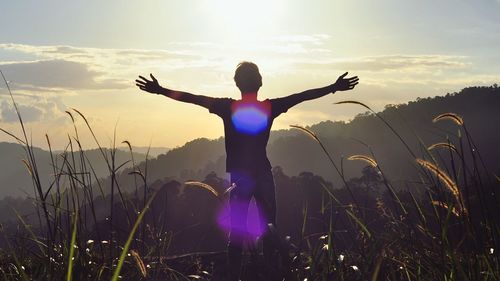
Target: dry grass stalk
{"type": "Point", "coordinates": [128, 144]}
{"type": "Point", "coordinates": [203, 185]}
{"type": "Point", "coordinates": [28, 166]}
{"type": "Point", "coordinates": [229, 189]}
{"type": "Point", "coordinates": [449, 116]}
{"type": "Point", "coordinates": [364, 158]}
{"type": "Point", "coordinates": [445, 206]}
{"type": "Point", "coordinates": [307, 131]}
{"type": "Point", "coordinates": [443, 144]}
{"type": "Point", "coordinates": [448, 182]}
{"type": "Point", "coordinates": [382, 208]}
{"type": "Point", "coordinates": [354, 102]}
{"type": "Point", "coordinates": [139, 263]}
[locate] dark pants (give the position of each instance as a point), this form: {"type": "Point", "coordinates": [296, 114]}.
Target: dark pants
{"type": "Point", "coordinates": [259, 185]}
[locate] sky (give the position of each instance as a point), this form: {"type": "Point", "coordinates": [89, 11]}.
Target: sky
{"type": "Point", "coordinates": [60, 55]}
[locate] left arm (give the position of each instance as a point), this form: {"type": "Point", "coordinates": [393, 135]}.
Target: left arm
{"type": "Point", "coordinates": [342, 84]}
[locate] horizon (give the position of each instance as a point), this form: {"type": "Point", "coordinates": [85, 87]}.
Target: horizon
{"type": "Point", "coordinates": [86, 55]}
{"type": "Point", "coordinates": [155, 149]}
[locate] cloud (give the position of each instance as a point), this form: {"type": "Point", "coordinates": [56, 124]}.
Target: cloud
{"type": "Point", "coordinates": [55, 49]}
{"type": "Point", "coordinates": [68, 68]}
{"type": "Point", "coordinates": [392, 62]}
{"type": "Point", "coordinates": [316, 39]}
{"type": "Point", "coordinates": [91, 55]}
{"type": "Point", "coordinates": [29, 113]}
{"type": "Point", "coordinates": [33, 109]}
{"type": "Point", "coordinates": [49, 74]}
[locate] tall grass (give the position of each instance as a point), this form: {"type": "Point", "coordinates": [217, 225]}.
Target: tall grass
{"type": "Point", "coordinates": [445, 227]}
{"type": "Point", "coordinates": [448, 232]}
{"type": "Point", "coordinates": [67, 242]}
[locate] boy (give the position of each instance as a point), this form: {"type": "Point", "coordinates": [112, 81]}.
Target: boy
{"type": "Point", "coordinates": [247, 123]}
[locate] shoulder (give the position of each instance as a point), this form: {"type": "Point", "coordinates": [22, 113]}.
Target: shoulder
{"type": "Point", "coordinates": [279, 105]}
{"type": "Point", "coordinates": [223, 101]}
{"type": "Point", "coordinates": [220, 105]}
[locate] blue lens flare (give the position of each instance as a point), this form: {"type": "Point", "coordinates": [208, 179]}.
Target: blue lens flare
{"type": "Point", "coordinates": [250, 119]}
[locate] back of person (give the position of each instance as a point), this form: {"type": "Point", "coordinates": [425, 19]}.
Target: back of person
{"type": "Point", "coordinates": [247, 124]}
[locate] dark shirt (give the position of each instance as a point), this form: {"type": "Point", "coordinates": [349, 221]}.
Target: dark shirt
{"type": "Point", "coordinates": [247, 124]}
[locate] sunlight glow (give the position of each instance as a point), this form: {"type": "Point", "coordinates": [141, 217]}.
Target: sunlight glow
{"type": "Point", "coordinates": [246, 18]}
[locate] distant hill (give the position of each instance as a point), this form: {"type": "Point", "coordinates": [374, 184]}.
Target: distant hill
{"type": "Point", "coordinates": [478, 106]}
{"type": "Point", "coordinates": [296, 152]}
{"type": "Point", "coordinates": [15, 180]}
{"type": "Point", "coordinates": [151, 151]}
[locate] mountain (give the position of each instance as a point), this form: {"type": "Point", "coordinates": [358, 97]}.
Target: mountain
{"type": "Point", "coordinates": [151, 151]}
{"type": "Point", "coordinates": [477, 106]}
{"type": "Point", "coordinates": [15, 180]}
{"type": "Point", "coordinates": [295, 152]}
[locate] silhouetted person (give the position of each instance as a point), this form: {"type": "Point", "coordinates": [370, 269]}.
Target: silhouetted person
{"type": "Point", "coordinates": [247, 123]}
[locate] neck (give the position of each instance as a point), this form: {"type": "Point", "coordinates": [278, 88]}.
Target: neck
{"type": "Point", "coordinates": [249, 96]}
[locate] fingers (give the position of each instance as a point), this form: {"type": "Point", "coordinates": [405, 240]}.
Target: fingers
{"type": "Point", "coordinates": [344, 75]}
{"type": "Point", "coordinates": [152, 77]}
{"type": "Point", "coordinates": [137, 82]}
{"type": "Point", "coordinates": [142, 83]}
{"type": "Point", "coordinates": [353, 81]}
{"type": "Point", "coordinates": [143, 78]}
{"type": "Point", "coordinates": [352, 85]}
{"type": "Point", "coordinates": [142, 87]}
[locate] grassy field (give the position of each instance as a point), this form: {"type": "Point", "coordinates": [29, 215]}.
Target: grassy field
{"type": "Point", "coordinates": [445, 227]}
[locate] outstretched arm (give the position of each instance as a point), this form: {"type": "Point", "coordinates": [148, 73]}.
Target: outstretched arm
{"type": "Point", "coordinates": [152, 86]}
{"type": "Point", "coordinates": [342, 84]}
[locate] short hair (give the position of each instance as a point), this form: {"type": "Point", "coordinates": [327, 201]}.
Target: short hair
{"type": "Point", "coordinates": [247, 77]}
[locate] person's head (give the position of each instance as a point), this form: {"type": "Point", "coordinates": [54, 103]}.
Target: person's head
{"type": "Point", "coordinates": [247, 77]}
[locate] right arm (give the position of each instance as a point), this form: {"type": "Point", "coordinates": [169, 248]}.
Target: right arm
{"type": "Point", "coordinates": [152, 86]}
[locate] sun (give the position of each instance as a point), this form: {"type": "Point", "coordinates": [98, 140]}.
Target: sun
{"type": "Point", "coordinates": [246, 18]}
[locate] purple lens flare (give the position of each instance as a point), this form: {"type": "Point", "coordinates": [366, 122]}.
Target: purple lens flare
{"type": "Point", "coordinates": [250, 225]}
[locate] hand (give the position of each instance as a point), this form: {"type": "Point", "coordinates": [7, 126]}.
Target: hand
{"type": "Point", "coordinates": [150, 86]}
{"type": "Point", "coordinates": [343, 84]}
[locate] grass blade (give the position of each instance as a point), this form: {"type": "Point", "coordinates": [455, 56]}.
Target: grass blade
{"type": "Point", "coordinates": [69, 274]}
{"type": "Point", "coordinates": [123, 255]}
{"type": "Point", "coordinates": [360, 223]}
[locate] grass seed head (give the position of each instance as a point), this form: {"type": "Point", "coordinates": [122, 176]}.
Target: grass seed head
{"type": "Point", "coordinates": [307, 131]}
{"type": "Point", "coordinates": [449, 116]}
{"type": "Point", "coordinates": [364, 158]}
{"type": "Point", "coordinates": [445, 206]}
{"type": "Point", "coordinates": [449, 183]}
{"type": "Point", "coordinates": [443, 144]}
{"type": "Point", "coordinates": [203, 185]}
{"type": "Point", "coordinates": [354, 102]}
{"type": "Point", "coordinates": [139, 263]}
